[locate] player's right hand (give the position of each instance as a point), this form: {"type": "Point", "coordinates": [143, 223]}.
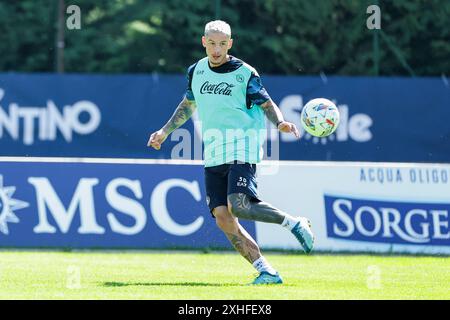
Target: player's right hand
{"type": "Point", "coordinates": [156, 139]}
{"type": "Point", "coordinates": [287, 127]}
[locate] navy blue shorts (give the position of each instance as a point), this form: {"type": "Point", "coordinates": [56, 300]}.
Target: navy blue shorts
{"type": "Point", "coordinates": [229, 178]}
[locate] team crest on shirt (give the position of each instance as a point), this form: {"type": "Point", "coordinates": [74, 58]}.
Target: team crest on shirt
{"type": "Point", "coordinates": [239, 78]}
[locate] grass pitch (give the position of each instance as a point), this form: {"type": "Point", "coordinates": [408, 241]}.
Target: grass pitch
{"type": "Point", "coordinates": [186, 275]}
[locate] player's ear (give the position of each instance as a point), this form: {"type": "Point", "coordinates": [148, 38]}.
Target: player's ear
{"type": "Point", "coordinates": [204, 41]}
{"type": "Point", "coordinates": [230, 44]}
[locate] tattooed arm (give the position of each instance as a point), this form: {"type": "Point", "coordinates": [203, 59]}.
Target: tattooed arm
{"type": "Point", "coordinates": [273, 113]}
{"type": "Point", "coordinates": [182, 113]}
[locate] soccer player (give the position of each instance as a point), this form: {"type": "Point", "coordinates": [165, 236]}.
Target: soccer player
{"type": "Point", "coordinates": [229, 96]}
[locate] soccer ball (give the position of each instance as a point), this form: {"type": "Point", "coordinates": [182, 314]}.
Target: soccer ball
{"type": "Point", "coordinates": [320, 117]}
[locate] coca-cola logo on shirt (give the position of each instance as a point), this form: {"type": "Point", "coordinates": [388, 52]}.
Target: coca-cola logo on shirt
{"type": "Point", "coordinates": [220, 88]}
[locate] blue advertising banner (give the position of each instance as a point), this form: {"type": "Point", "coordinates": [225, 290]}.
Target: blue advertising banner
{"type": "Point", "coordinates": [387, 221]}
{"type": "Point", "coordinates": [382, 119]}
{"type": "Point", "coordinates": [106, 205]}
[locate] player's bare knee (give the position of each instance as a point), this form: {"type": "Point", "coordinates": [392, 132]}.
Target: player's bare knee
{"type": "Point", "coordinates": [227, 225]}
{"type": "Point", "coordinates": [223, 224]}
{"type": "Point", "coordinates": [224, 220]}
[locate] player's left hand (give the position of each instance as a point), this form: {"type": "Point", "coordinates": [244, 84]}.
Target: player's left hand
{"type": "Point", "coordinates": [289, 127]}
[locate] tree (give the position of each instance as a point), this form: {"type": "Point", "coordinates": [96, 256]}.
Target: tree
{"type": "Point", "coordinates": [277, 36]}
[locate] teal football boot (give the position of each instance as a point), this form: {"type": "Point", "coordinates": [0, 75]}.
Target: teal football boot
{"type": "Point", "coordinates": [302, 231]}
{"type": "Point", "coordinates": [267, 278]}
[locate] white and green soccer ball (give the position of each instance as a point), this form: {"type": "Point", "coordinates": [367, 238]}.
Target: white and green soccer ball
{"type": "Point", "coordinates": [320, 117]}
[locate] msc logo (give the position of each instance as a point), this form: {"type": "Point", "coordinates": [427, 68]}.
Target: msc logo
{"type": "Point", "coordinates": [387, 221]}
{"type": "Point", "coordinates": [54, 215]}
{"type": "Point", "coordinates": [7, 206]}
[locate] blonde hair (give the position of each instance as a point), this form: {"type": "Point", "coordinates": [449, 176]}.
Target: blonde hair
{"type": "Point", "coordinates": [218, 26]}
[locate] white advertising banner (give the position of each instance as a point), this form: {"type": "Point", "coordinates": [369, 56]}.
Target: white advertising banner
{"type": "Point", "coordinates": [364, 207]}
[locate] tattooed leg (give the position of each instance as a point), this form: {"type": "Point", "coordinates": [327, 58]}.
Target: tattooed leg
{"type": "Point", "coordinates": [241, 206]}
{"type": "Point", "coordinates": [237, 235]}
{"type": "Point", "coordinates": [244, 244]}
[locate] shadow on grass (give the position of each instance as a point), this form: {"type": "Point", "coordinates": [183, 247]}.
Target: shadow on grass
{"type": "Point", "coordinates": [174, 284]}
